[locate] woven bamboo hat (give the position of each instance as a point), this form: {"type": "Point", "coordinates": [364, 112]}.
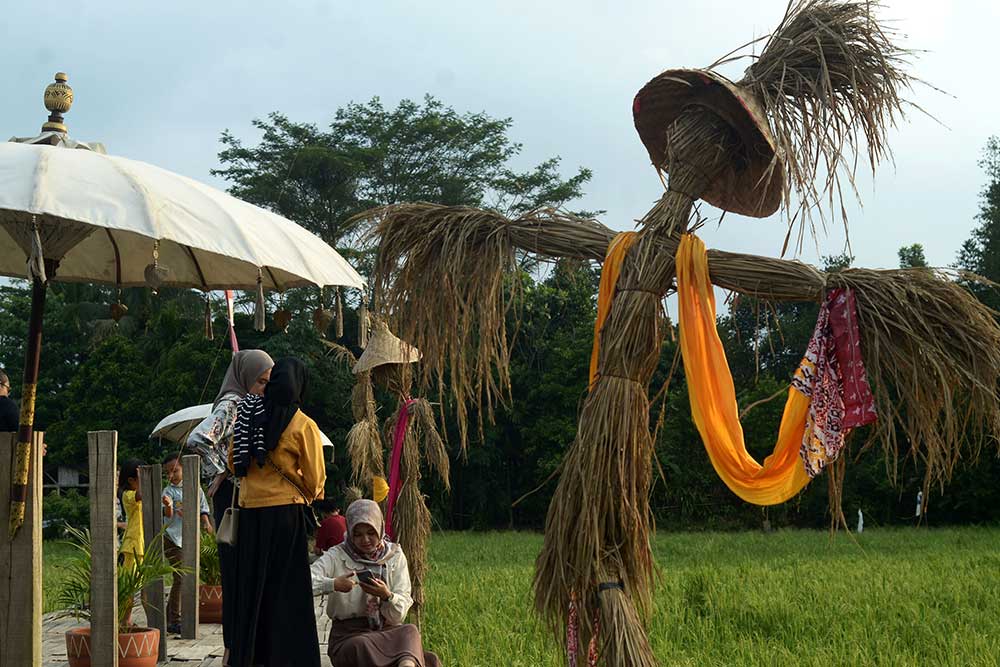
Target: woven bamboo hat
{"type": "Point", "coordinates": [384, 348]}
{"type": "Point", "coordinates": [749, 186]}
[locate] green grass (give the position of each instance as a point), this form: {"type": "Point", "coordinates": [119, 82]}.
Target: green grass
{"type": "Point", "coordinates": [897, 598]}
{"type": "Point", "coordinates": [55, 555]}
{"type": "Point", "coordinates": [796, 598]}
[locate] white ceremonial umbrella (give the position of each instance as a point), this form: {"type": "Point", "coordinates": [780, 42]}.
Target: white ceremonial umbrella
{"type": "Point", "coordinates": [70, 212]}
{"type": "Point", "coordinates": [178, 426]}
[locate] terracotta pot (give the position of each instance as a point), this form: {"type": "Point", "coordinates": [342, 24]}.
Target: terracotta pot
{"type": "Point", "coordinates": [139, 648]}
{"type": "Point", "coordinates": [209, 604]}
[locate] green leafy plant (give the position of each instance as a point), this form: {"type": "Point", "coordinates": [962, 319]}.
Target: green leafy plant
{"type": "Point", "coordinates": [64, 509]}
{"type": "Point", "coordinates": [74, 597]}
{"type": "Point", "coordinates": [210, 572]}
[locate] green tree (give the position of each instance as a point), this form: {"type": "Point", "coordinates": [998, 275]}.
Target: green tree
{"type": "Point", "coordinates": [981, 253]}
{"type": "Point", "coordinates": [912, 257]}
{"type": "Point", "coordinates": [371, 156]}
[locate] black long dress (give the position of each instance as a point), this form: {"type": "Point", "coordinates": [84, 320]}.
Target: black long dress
{"type": "Point", "coordinates": [275, 622]}
{"type": "Point", "coordinates": [221, 501]}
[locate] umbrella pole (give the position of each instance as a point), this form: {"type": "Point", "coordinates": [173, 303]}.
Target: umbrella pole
{"type": "Point", "coordinates": [26, 428]}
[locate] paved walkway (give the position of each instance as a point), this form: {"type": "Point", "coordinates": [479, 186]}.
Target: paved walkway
{"type": "Point", "coordinates": [206, 651]}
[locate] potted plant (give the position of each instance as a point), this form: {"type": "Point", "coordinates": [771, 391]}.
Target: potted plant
{"type": "Point", "coordinates": [210, 591]}
{"type": "Point", "coordinates": [137, 646]}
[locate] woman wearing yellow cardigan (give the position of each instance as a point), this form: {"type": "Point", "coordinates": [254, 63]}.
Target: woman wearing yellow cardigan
{"type": "Point", "coordinates": [278, 457]}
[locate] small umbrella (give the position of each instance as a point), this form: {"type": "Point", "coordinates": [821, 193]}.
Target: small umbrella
{"type": "Point", "coordinates": [70, 212]}
{"type": "Point", "coordinates": [178, 426]}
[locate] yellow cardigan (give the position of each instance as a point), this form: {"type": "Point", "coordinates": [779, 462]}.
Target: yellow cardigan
{"type": "Point", "coordinates": [299, 455]}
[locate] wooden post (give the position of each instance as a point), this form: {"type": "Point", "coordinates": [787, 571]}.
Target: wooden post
{"type": "Point", "coordinates": [21, 564]}
{"type": "Point", "coordinates": [103, 556]}
{"type": "Point", "coordinates": [151, 486]}
{"type": "Point", "coordinates": [191, 545]}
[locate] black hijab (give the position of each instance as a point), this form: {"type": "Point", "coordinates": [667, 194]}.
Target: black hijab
{"type": "Point", "coordinates": [282, 395]}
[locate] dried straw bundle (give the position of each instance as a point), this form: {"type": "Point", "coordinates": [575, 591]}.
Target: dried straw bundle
{"type": "Point", "coordinates": [829, 79]}
{"type": "Point", "coordinates": [932, 352]}
{"type": "Point", "coordinates": [364, 442]}
{"type": "Point", "coordinates": [462, 264]}
{"type": "Point", "coordinates": [411, 519]}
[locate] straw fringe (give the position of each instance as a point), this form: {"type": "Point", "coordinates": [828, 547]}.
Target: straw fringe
{"type": "Point", "coordinates": [830, 80]}
{"type": "Point", "coordinates": [460, 319]}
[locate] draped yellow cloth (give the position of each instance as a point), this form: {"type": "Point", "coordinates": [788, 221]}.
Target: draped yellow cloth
{"type": "Point", "coordinates": [713, 395]}
{"type": "Point", "coordinates": [606, 294]}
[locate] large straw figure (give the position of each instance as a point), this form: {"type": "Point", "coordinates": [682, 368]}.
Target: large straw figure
{"type": "Point", "coordinates": [827, 81]}
{"type": "Point", "coordinates": [412, 434]}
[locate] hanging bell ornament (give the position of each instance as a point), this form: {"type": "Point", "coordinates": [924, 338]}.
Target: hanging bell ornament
{"type": "Point", "coordinates": [322, 317]}
{"type": "Point", "coordinates": [281, 319]}
{"type": "Point", "coordinates": [154, 273]}
{"type": "Point", "coordinates": [118, 311]}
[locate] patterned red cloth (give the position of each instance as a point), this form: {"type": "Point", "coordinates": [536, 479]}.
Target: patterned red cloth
{"type": "Point", "coordinates": [859, 404]}
{"type": "Point", "coordinates": [573, 638]}
{"type": "Point", "coordinates": [832, 375]}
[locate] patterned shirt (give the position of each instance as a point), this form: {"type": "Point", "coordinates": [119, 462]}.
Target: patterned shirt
{"type": "Point", "coordinates": [210, 439]}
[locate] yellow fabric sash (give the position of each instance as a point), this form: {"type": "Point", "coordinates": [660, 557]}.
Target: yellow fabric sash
{"type": "Point", "coordinates": [609, 280]}
{"type": "Point", "coordinates": [713, 395]}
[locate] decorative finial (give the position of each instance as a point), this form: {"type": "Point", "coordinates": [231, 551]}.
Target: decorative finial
{"type": "Point", "coordinates": [58, 100]}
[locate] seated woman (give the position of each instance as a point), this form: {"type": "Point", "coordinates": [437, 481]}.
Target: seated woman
{"type": "Point", "coordinates": [368, 583]}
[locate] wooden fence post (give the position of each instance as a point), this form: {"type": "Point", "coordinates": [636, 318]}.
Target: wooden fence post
{"type": "Point", "coordinates": [21, 563]}
{"type": "Point", "coordinates": [151, 486]}
{"type": "Point", "coordinates": [103, 446]}
{"type": "Point", "coordinates": [191, 545]}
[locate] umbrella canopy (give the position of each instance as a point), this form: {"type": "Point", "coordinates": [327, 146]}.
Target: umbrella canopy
{"type": "Point", "coordinates": [177, 426]}
{"type": "Point", "coordinates": [102, 217]}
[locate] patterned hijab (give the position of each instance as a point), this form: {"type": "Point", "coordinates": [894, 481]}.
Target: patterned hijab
{"type": "Point", "coordinates": [244, 370]}
{"type": "Point", "coordinates": [367, 512]}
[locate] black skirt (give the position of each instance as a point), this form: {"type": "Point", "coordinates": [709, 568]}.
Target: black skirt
{"type": "Point", "coordinates": [275, 622]}
{"type": "Point", "coordinates": [221, 501]}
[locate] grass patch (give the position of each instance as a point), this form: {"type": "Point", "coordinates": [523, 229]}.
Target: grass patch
{"type": "Point", "coordinates": [896, 598]}
{"type": "Point", "coordinates": [55, 555]}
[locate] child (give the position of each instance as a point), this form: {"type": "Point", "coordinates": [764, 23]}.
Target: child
{"type": "Point", "coordinates": [133, 544]}
{"type": "Point", "coordinates": [173, 511]}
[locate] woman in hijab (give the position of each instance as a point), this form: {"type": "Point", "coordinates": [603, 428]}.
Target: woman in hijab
{"type": "Point", "coordinates": [368, 584]}
{"type": "Point", "coordinates": [275, 621]}
{"type": "Point", "coordinates": [248, 373]}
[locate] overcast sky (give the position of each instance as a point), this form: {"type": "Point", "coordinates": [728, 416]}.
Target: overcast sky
{"type": "Point", "coordinates": [159, 82]}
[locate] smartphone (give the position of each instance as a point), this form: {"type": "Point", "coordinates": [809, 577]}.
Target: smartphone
{"type": "Point", "coordinates": [366, 577]}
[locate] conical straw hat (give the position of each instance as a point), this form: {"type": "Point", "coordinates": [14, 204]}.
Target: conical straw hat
{"type": "Point", "coordinates": [749, 186]}
{"type": "Point", "coordinates": [384, 348]}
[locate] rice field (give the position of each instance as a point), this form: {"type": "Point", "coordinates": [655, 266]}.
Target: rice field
{"type": "Point", "coordinates": [894, 597]}
{"type": "Point", "coordinates": [891, 598]}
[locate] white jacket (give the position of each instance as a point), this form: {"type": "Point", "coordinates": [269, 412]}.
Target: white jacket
{"type": "Point", "coordinates": [342, 606]}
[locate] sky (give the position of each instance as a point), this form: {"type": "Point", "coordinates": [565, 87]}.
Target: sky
{"type": "Point", "coordinates": [160, 81]}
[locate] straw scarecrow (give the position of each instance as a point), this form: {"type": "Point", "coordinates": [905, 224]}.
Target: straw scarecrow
{"type": "Point", "coordinates": [412, 430]}
{"type": "Point", "coordinates": [911, 347]}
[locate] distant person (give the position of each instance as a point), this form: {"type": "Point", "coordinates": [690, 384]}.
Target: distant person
{"type": "Point", "coordinates": [9, 416]}
{"type": "Point", "coordinates": [173, 512]}
{"type": "Point", "coordinates": [248, 373]}
{"type": "Point", "coordinates": [368, 586]}
{"type": "Point", "coordinates": [332, 528]}
{"type": "Point", "coordinates": [278, 453]}
{"type": "Point", "coordinates": [133, 544]}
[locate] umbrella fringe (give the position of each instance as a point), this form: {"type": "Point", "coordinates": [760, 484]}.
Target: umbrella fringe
{"type": "Point", "coordinates": [36, 261]}
{"type": "Point", "coordinates": [340, 314]}
{"type": "Point", "coordinates": [258, 314]}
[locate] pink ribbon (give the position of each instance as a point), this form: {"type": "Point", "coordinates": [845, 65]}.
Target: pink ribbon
{"type": "Point", "coordinates": [398, 436]}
